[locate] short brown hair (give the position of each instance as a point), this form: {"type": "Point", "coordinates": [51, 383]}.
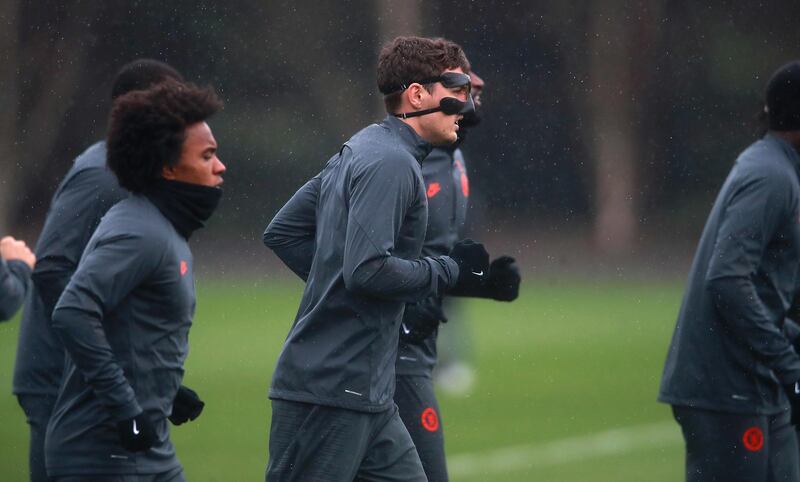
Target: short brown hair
{"type": "Point", "coordinates": [406, 60]}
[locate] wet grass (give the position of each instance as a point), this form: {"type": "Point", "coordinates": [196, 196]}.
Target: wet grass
{"type": "Point", "coordinates": [569, 358]}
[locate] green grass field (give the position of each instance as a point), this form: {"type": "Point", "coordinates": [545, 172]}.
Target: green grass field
{"type": "Point", "coordinates": [565, 391]}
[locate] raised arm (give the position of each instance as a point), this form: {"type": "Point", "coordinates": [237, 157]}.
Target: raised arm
{"type": "Point", "coordinates": [14, 276]}
{"type": "Point", "coordinates": [16, 262]}
{"type": "Point", "coordinates": [379, 197]}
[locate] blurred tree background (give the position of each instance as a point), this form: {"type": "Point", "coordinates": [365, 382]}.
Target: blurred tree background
{"type": "Point", "coordinates": [611, 122]}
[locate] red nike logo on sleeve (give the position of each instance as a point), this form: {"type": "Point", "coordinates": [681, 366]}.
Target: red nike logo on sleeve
{"type": "Point", "coordinates": [434, 188]}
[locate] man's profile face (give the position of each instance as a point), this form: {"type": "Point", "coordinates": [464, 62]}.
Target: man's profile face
{"type": "Point", "coordinates": [198, 163]}
{"type": "Point", "coordinates": [439, 128]}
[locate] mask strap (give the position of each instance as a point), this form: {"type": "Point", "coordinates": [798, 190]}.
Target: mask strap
{"type": "Point", "coordinates": [418, 113]}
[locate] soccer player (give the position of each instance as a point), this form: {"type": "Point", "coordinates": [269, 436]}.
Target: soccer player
{"type": "Point", "coordinates": [447, 187]}
{"type": "Point", "coordinates": [355, 234]}
{"type": "Point", "coordinates": [125, 315]}
{"type": "Point", "coordinates": [85, 194]}
{"type": "Point", "coordinates": [16, 263]}
{"type": "Point", "coordinates": [731, 373]}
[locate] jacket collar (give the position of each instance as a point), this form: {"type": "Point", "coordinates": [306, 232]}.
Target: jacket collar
{"type": "Point", "coordinates": [790, 152]}
{"type": "Point", "coordinates": [416, 145]}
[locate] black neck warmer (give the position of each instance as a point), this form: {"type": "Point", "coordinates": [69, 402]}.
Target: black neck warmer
{"type": "Point", "coordinates": [187, 206]}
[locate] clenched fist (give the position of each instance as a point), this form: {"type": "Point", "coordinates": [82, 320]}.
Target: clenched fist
{"type": "Point", "coordinates": [11, 248]}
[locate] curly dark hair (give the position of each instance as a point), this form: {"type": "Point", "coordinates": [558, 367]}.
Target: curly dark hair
{"type": "Point", "coordinates": [147, 128]}
{"type": "Point", "coordinates": [409, 59]}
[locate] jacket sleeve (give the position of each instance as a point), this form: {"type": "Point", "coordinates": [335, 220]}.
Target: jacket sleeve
{"type": "Point", "coordinates": [107, 273]}
{"type": "Point", "coordinates": [75, 213]}
{"type": "Point", "coordinates": [758, 208]}
{"type": "Point", "coordinates": [291, 233]}
{"type": "Point", "coordinates": [50, 277]}
{"type": "Point", "coordinates": [379, 197]}
{"type": "Point", "coordinates": [14, 279]}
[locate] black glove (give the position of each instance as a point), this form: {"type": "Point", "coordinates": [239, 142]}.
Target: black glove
{"type": "Point", "coordinates": [137, 434]}
{"type": "Point", "coordinates": [473, 267]}
{"type": "Point", "coordinates": [793, 393]}
{"type": "Point", "coordinates": [421, 319]}
{"type": "Point", "coordinates": [186, 406]}
{"type": "Point", "coordinates": [504, 279]}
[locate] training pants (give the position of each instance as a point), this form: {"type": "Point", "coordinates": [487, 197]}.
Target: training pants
{"type": "Point", "coordinates": [729, 447]}
{"type": "Point", "coordinates": [315, 443]}
{"type": "Point", "coordinates": [419, 410]}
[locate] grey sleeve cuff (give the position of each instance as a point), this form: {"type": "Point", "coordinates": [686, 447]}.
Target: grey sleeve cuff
{"type": "Point", "coordinates": [452, 268]}
{"type": "Point", "coordinates": [129, 410]}
{"type": "Point", "coordinates": [14, 282]}
{"type": "Point", "coordinates": [444, 274]}
{"type": "Point", "coordinates": [20, 268]}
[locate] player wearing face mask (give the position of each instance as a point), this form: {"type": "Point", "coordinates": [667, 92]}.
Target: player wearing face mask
{"type": "Point", "coordinates": [354, 233]}
{"type": "Point", "coordinates": [447, 189]}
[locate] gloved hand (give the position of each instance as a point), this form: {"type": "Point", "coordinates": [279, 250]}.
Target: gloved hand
{"type": "Point", "coordinates": [186, 406]}
{"type": "Point", "coordinates": [793, 393]}
{"type": "Point", "coordinates": [421, 319]}
{"type": "Point", "coordinates": [473, 267]}
{"type": "Point", "coordinates": [504, 279]}
{"type": "Point", "coordinates": [137, 434]}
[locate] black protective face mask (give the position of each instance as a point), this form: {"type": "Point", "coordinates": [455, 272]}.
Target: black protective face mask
{"type": "Point", "coordinates": [450, 80]}
{"type": "Point", "coordinates": [187, 206]}
{"type": "Point", "coordinates": [448, 105]}
{"type": "Point", "coordinates": [471, 119]}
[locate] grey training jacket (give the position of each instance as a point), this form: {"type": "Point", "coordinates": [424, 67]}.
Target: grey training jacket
{"type": "Point", "coordinates": [447, 189]}
{"type": "Point", "coordinates": [124, 319]}
{"type": "Point", "coordinates": [729, 352]}
{"type": "Point", "coordinates": [85, 194]}
{"type": "Point", "coordinates": [14, 278]}
{"type": "Point", "coordinates": [366, 235]}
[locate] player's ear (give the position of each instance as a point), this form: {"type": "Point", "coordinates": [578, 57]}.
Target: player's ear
{"type": "Point", "coordinates": [168, 173]}
{"type": "Point", "coordinates": [415, 94]}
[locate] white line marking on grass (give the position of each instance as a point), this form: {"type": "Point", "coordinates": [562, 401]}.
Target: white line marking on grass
{"type": "Point", "coordinates": [519, 457]}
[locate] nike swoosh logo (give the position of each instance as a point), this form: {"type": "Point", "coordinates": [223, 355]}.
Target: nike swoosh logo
{"type": "Point", "coordinates": [405, 330]}
{"type": "Point", "coordinates": [135, 429]}
{"type": "Point", "coordinates": [478, 273]}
